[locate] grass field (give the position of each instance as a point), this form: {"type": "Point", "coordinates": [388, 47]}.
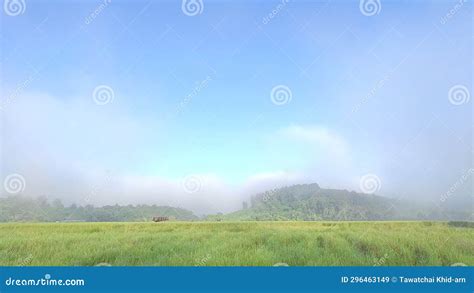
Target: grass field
{"type": "Point", "coordinates": [236, 244]}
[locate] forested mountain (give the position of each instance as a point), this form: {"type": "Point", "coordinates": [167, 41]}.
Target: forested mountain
{"type": "Point", "coordinates": [24, 209]}
{"type": "Point", "coordinates": [310, 202]}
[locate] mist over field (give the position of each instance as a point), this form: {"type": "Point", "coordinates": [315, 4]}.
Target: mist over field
{"type": "Point", "coordinates": [111, 103]}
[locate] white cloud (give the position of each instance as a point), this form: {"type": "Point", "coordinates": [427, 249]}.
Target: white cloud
{"type": "Point", "coordinates": [327, 155]}
{"type": "Point", "coordinates": [317, 136]}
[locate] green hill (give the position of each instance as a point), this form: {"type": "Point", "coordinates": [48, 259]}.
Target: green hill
{"type": "Point", "coordinates": [309, 202]}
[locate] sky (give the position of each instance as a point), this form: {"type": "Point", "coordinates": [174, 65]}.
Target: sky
{"type": "Point", "coordinates": [202, 104]}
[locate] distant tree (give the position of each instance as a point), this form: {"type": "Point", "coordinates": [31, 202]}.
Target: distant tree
{"type": "Point", "coordinates": [20, 209]}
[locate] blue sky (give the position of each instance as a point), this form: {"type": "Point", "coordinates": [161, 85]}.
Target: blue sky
{"type": "Point", "coordinates": [192, 97]}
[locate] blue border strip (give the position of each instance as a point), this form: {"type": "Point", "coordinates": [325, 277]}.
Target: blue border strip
{"type": "Point", "coordinates": [237, 279]}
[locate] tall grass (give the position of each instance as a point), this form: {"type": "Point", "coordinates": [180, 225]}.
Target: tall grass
{"type": "Point", "coordinates": [237, 244]}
